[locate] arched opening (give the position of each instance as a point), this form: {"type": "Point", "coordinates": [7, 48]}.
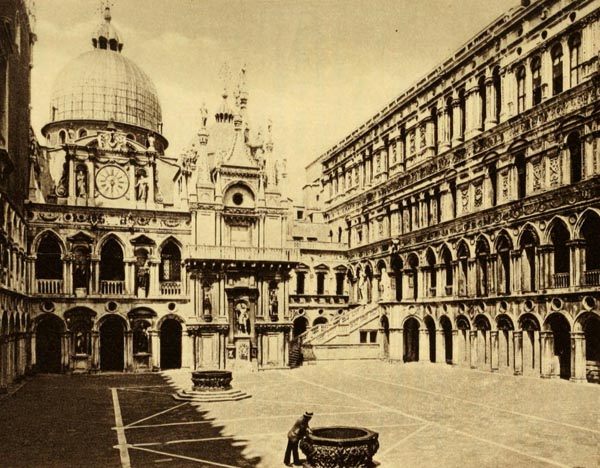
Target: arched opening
{"type": "Point", "coordinates": [142, 271]}
{"type": "Point", "coordinates": [561, 332]}
{"type": "Point", "coordinates": [574, 58]}
{"type": "Point", "coordinates": [590, 232]}
{"type": "Point", "coordinates": [536, 80]}
{"type": "Point", "coordinates": [482, 100]}
{"type": "Point", "coordinates": [482, 253]}
{"type": "Point", "coordinates": [112, 344]}
{"type": "Point", "coordinates": [320, 321]}
{"type": "Point", "coordinates": [300, 325]}
{"type": "Point", "coordinates": [575, 159]}
{"type": "Point", "coordinates": [430, 324]}
{"type": "Point", "coordinates": [521, 172]}
{"type": "Point", "coordinates": [498, 92]}
{"type": "Point", "coordinates": [397, 266]}
{"type": "Point", "coordinates": [411, 340]}
{"type": "Point", "coordinates": [367, 284]}
{"type": "Point", "coordinates": [81, 268]}
{"type": "Point", "coordinates": [48, 344]}
{"type": "Point", "coordinates": [557, 69]}
{"type": "Point", "coordinates": [482, 343]}
{"type": "Point", "coordinates": [170, 344]}
{"type": "Point", "coordinates": [112, 269]}
{"type": "Point", "coordinates": [413, 275]}
{"type": "Point", "coordinates": [505, 346]}
{"type": "Point", "coordinates": [521, 95]}
{"type": "Point", "coordinates": [447, 329]}
{"type": "Point", "coordinates": [463, 326]}
{"type": "Point", "coordinates": [528, 246]}
{"type": "Point", "coordinates": [503, 248]}
{"type": "Point", "coordinates": [530, 347]}
{"type": "Point", "coordinates": [591, 330]}
{"type": "Point", "coordinates": [448, 271]}
{"type": "Point", "coordinates": [431, 272]}
{"type": "Point", "coordinates": [49, 266]}
{"type": "Point", "coordinates": [463, 268]}
{"type": "Point", "coordinates": [170, 269]}
{"type": "Point", "coordinates": [559, 237]}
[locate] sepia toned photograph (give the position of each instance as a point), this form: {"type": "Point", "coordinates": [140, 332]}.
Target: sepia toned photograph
{"type": "Point", "coordinates": [316, 233]}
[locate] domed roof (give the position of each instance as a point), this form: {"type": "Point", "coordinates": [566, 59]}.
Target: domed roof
{"type": "Point", "coordinates": [102, 84]}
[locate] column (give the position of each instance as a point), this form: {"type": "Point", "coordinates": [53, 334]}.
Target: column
{"type": "Point", "coordinates": [515, 269]}
{"type": "Point", "coordinates": [457, 131]}
{"type": "Point", "coordinates": [155, 349]}
{"type": "Point", "coordinates": [473, 361]}
{"type": "Point", "coordinates": [187, 349]}
{"type": "Point", "coordinates": [547, 343]}
{"type": "Point", "coordinates": [95, 351]}
{"type": "Point", "coordinates": [154, 284]}
{"type": "Point", "coordinates": [396, 344]}
{"type": "Point", "coordinates": [473, 109]}
{"type": "Point", "coordinates": [440, 347]}
{"type": "Point", "coordinates": [65, 347]}
{"type": "Point", "coordinates": [424, 345]}
{"type": "Point", "coordinates": [444, 128]}
{"type": "Point", "coordinates": [578, 363]}
{"type": "Point", "coordinates": [455, 357]}
{"type": "Point", "coordinates": [577, 251]}
{"type": "Point", "coordinates": [518, 351]}
{"type": "Point", "coordinates": [490, 108]}
{"type": "Point", "coordinates": [494, 350]}
{"type": "Point", "coordinates": [128, 354]}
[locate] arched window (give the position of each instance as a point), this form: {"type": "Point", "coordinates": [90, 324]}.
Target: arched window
{"type": "Point", "coordinates": [170, 263]}
{"type": "Point", "coordinates": [590, 232]}
{"type": "Point", "coordinates": [82, 132]}
{"type": "Point", "coordinates": [48, 263]}
{"type": "Point", "coordinates": [62, 137]}
{"type": "Point", "coordinates": [574, 146]}
{"type": "Point", "coordinates": [463, 258]}
{"type": "Point", "coordinates": [562, 261]}
{"type": "Point", "coordinates": [431, 273]}
{"type": "Point", "coordinates": [504, 279]}
{"type": "Point", "coordinates": [521, 168]}
{"type": "Point", "coordinates": [482, 260]}
{"type": "Point", "coordinates": [574, 57]}
{"type": "Point", "coordinates": [483, 100]}
{"type": "Point", "coordinates": [521, 95]}
{"type": "Point", "coordinates": [528, 247]}
{"type": "Point", "coordinates": [413, 279]}
{"type": "Point", "coordinates": [112, 269]}
{"type": "Point", "coordinates": [536, 80]}
{"type": "Point", "coordinates": [557, 69]}
{"type": "Point", "coordinates": [497, 84]}
{"type": "Point", "coordinates": [450, 118]}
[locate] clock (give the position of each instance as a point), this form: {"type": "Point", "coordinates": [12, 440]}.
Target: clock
{"type": "Point", "coordinates": [112, 182]}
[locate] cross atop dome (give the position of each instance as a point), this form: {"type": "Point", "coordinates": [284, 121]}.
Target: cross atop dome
{"type": "Point", "coordinates": [106, 36]}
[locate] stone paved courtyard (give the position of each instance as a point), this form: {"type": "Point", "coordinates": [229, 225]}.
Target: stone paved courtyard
{"type": "Point", "coordinates": [426, 415]}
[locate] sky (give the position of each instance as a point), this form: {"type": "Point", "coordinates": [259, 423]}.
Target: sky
{"type": "Point", "coordinates": [316, 69]}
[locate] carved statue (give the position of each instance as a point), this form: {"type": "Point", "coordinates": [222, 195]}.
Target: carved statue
{"type": "Point", "coordinates": [141, 186]}
{"type": "Point", "coordinates": [143, 274]}
{"type": "Point", "coordinates": [151, 140]}
{"type": "Point", "coordinates": [81, 183]}
{"type": "Point", "coordinates": [242, 317]}
{"type": "Point", "coordinates": [206, 302]}
{"type": "Point", "coordinates": [273, 302]}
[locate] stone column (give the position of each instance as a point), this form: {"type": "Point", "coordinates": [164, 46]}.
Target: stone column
{"type": "Point", "coordinates": [95, 351]}
{"type": "Point", "coordinates": [396, 344]}
{"type": "Point", "coordinates": [444, 128]}
{"type": "Point", "coordinates": [128, 352]}
{"type": "Point", "coordinates": [440, 347]}
{"type": "Point", "coordinates": [473, 361]}
{"type": "Point", "coordinates": [494, 350]}
{"type": "Point", "coordinates": [457, 131]}
{"type": "Point", "coordinates": [578, 363]}
{"type": "Point", "coordinates": [490, 108]}
{"type": "Point", "coordinates": [518, 351]}
{"type": "Point", "coordinates": [187, 349]}
{"type": "Point", "coordinates": [547, 344]}
{"type": "Point", "coordinates": [424, 345]}
{"type": "Point", "coordinates": [577, 259]}
{"type": "Point", "coordinates": [515, 270]}
{"type": "Point", "coordinates": [155, 349]}
{"type": "Point", "coordinates": [455, 352]}
{"type": "Point", "coordinates": [65, 346]}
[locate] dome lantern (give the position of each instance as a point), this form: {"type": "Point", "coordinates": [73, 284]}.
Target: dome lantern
{"type": "Point", "coordinates": [106, 36]}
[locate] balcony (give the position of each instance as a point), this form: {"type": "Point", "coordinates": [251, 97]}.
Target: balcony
{"type": "Point", "coordinates": [561, 280]}
{"type": "Point", "coordinates": [591, 278]}
{"type": "Point", "coordinates": [49, 286]}
{"type": "Point", "coordinates": [170, 288]}
{"type": "Point", "coordinates": [318, 299]}
{"type": "Point", "coordinates": [112, 288]}
{"type": "Point", "coordinates": [254, 254]}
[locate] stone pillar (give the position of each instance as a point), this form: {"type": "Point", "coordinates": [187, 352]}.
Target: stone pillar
{"type": "Point", "coordinates": [457, 112]}
{"type": "Point", "coordinates": [473, 109]}
{"type": "Point", "coordinates": [128, 352]}
{"type": "Point", "coordinates": [187, 349]}
{"type": "Point", "coordinates": [440, 347]}
{"type": "Point", "coordinates": [518, 351]}
{"type": "Point", "coordinates": [515, 269]}
{"type": "Point", "coordinates": [547, 357]}
{"type": "Point", "coordinates": [494, 350]}
{"type": "Point", "coordinates": [455, 348]}
{"type": "Point", "coordinates": [444, 128]}
{"type": "Point", "coordinates": [424, 345]}
{"type": "Point", "coordinates": [490, 108]}
{"type": "Point", "coordinates": [95, 351]}
{"type": "Point", "coordinates": [577, 259]}
{"type": "Point", "coordinates": [578, 363]}
{"type": "Point", "coordinates": [65, 346]}
{"type": "Point", "coordinates": [155, 349]}
{"type": "Point", "coordinates": [473, 361]}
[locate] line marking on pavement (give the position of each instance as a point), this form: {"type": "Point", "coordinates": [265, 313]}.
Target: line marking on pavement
{"type": "Point", "coordinates": [422, 428]}
{"type": "Point", "coordinates": [252, 418]}
{"type": "Point", "coordinates": [305, 403]}
{"type": "Point", "coordinates": [122, 440]}
{"type": "Point", "coordinates": [155, 414]}
{"type": "Point", "coordinates": [391, 409]}
{"type": "Point", "coordinates": [141, 386]}
{"type": "Point", "coordinates": [144, 391]}
{"type": "Point", "coordinates": [482, 405]}
{"type": "Point", "coordinates": [183, 457]}
{"type": "Point", "coordinates": [210, 439]}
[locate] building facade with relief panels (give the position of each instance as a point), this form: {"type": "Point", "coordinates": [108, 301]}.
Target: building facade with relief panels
{"type": "Point", "coordinates": [470, 206]}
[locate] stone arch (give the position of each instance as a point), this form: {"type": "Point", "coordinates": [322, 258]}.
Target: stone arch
{"type": "Point", "coordinates": [447, 326]}
{"type": "Point", "coordinates": [300, 325]}
{"type": "Point", "coordinates": [463, 351]}
{"type": "Point", "coordinates": [170, 316]}
{"type": "Point", "coordinates": [561, 326]}
{"type": "Point", "coordinates": [547, 233]}
{"type": "Point", "coordinates": [589, 212]}
{"type": "Point", "coordinates": [588, 322]}
{"type": "Point", "coordinates": [112, 329]}
{"type": "Point", "coordinates": [505, 326]}
{"type": "Point", "coordinates": [320, 320]}
{"type": "Point", "coordinates": [430, 324]}
{"type": "Point", "coordinates": [127, 251]}
{"type": "Point", "coordinates": [49, 329]}
{"type": "Point", "coordinates": [482, 254]}
{"type": "Point", "coordinates": [100, 321]}
{"type": "Point", "coordinates": [411, 327]}
{"type": "Point", "coordinates": [35, 244]}
{"type": "Point", "coordinates": [412, 265]}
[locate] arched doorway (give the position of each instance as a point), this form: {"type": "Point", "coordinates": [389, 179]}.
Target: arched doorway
{"type": "Point", "coordinates": [430, 324]}
{"type": "Point", "coordinates": [482, 343]}
{"type": "Point", "coordinates": [48, 344]}
{"type": "Point", "coordinates": [300, 326]}
{"type": "Point", "coordinates": [411, 340]}
{"type": "Point", "coordinates": [530, 347]}
{"type": "Point", "coordinates": [320, 321]}
{"type": "Point", "coordinates": [464, 351]}
{"type": "Point", "coordinates": [561, 332]}
{"type": "Point", "coordinates": [112, 344]}
{"type": "Point", "coordinates": [385, 332]}
{"type": "Point", "coordinates": [170, 344]}
{"type": "Point", "coordinates": [505, 341]}
{"type": "Point", "coordinates": [591, 329]}
{"type": "Point", "coordinates": [447, 328]}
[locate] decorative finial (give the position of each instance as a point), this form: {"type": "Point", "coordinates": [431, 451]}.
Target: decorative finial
{"type": "Point", "coordinates": [203, 115]}
{"type": "Point", "coordinates": [225, 77]}
{"type": "Point", "coordinates": [105, 9]}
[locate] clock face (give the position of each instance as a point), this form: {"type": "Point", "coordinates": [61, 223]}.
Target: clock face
{"type": "Point", "coordinates": [112, 182]}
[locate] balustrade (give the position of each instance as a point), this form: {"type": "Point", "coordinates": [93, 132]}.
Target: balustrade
{"type": "Point", "coordinates": [591, 278]}
{"type": "Point", "coordinates": [170, 288]}
{"type": "Point", "coordinates": [112, 288]}
{"type": "Point", "coordinates": [49, 286]}
{"type": "Point", "coordinates": [560, 280]}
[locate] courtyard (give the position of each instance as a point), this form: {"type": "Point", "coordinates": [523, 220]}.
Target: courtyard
{"type": "Point", "coordinates": [427, 415]}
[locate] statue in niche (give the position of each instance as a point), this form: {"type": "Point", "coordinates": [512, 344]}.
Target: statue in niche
{"type": "Point", "coordinates": [81, 182]}
{"type": "Point", "coordinates": [141, 340]}
{"type": "Point", "coordinates": [242, 317]}
{"type": "Point", "coordinates": [141, 186]}
{"type": "Point", "coordinates": [206, 302]}
{"type": "Point", "coordinates": [80, 345]}
{"type": "Point", "coordinates": [151, 140]}
{"type": "Point", "coordinates": [273, 302]}
{"type": "Point", "coordinates": [71, 133]}
{"type": "Point", "coordinates": [143, 274]}
{"type": "Point", "coordinates": [80, 269]}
